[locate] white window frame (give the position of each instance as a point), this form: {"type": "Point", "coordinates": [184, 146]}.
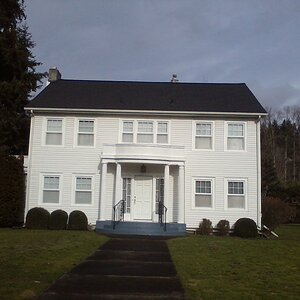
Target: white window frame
{"type": "Point", "coordinates": [245, 181]}
{"type": "Point", "coordinates": [74, 189]}
{"type": "Point", "coordinates": [212, 134]}
{"type": "Point", "coordinates": [212, 180]}
{"type": "Point", "coordinates": [45, 131]}
{"type": "Point", "coordinates": [88, 133]}
{"type": "Point", "coordinates": [226, 135]}
{"type": "Point", "coordinates": [145, 132]}
{"type": "Point", "coordinates": [135, 131]}
{"type": "Point", "coordinates": [41, 193]}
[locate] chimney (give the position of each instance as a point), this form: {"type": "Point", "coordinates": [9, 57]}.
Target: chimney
{"type": "Point", "coordinates": [174, 78]}
{"type": "Point", "coordinates": [54, 74]}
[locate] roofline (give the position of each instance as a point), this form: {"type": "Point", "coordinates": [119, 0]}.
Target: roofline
{"type": "Point", "coordinates": [151, 112]}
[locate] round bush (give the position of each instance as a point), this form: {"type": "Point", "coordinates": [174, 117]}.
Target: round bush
{"type": "Point", "coordinates": [37, 218]}
{"type": "Point", "coordinates": [245, 228]}
{"type": "Point", "coordinates": [223, 227]}
{"type": "Point", "coordinates": [205, 227]}
{"type": "Point", "coordinates": [77, 220]}
{"type": "Point", "coordinates": [58, 220]}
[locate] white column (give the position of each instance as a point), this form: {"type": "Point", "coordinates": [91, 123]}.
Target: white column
{"type": "Point", "coordinates": [166, 188]}
{"type": "Point", "coordinates": [181, 195]}
{"type": "Point", "coordinates": [118, 183]}
{"type": "Point", "coordinates": [103, 191]}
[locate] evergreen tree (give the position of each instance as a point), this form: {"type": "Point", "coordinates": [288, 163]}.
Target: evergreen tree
{"type": "Point", "coordinates": [18, 77]}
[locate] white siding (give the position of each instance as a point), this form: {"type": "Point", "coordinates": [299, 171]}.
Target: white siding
{"type": "Point", "coordinates": [70, 160]}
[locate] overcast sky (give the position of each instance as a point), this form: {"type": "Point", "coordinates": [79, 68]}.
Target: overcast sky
{"type": "Point", "coordinates": [254, 41]}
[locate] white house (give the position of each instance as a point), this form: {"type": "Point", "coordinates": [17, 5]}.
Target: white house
{"type": "Point", "coordinates": [195, 147]}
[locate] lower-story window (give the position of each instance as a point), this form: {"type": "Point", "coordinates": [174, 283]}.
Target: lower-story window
{"type": "Point", "coordinates": [236, 197]}
{"type": "Point", "coordinates": [51, 189]}
{"type": "Point", "coordinates": [203, 193]}
{"type": "Point", "coordinates": [83, 191]}
{"type": "Point", "coordinates": [127, 193]}
{"type": "Point", "coordinates": [159, 196]}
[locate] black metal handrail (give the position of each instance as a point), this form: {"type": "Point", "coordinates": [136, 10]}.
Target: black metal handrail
{"type": "Point", "coordinates": [162, 215]}
{"type": "Point", "coordinates": [118, 212]}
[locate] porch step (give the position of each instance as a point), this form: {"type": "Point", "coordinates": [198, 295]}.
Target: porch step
{"type": "Point", "coordinates": [141, 228]}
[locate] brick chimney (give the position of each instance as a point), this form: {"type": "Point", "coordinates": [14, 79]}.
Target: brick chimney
{"type": "Point", "coordinates": [54, 74]}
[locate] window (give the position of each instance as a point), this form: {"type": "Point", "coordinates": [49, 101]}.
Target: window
{"type": "Point", "coordinates": [236, 136]}
{"type": "Point", "coordinates": [83, 192]}
{"type": "Point", "coordinates": [162, 133]}
{"type": "Point", "coordinates": [127, 135]}
{"type": "Point", "coordinates": [236, 194]}
{"type": "Point", "coordinates": [159, 195]}
{"type": "Point", "coordinates": [127, 193]}
{"type": "Point", "coordinates": [203, 136]}
{"type": "Point", "coordinates": [203, 193]}
{"type": "Point", "coordinates": [145, 132]}
{"type": "Point", "coordinates": [51, 189]}
{"type": "Point", "coordinates": [54, 132]}
{"type": "Point", "coordinates": [85, 133]}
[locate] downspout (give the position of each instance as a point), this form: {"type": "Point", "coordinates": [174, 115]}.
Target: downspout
{"type": "Point", "coordinates": [258, 164]}
{"type": "Point", "coordinates": [29, 164]}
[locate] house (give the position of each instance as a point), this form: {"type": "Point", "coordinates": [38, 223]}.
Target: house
{"type": "Point", "coordinates": [173, 152]}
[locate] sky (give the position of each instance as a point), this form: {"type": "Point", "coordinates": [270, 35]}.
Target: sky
{"type": "Point", "coordinates": [253, 41]}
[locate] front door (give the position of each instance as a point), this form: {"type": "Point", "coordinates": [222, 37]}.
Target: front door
{"type": "Point", "coordinates": [142, 199]}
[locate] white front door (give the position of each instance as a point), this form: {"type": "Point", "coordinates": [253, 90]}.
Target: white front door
{"type": "Point", "coordinates": [142, 199]}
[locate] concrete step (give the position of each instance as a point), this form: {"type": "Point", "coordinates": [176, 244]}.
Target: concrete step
{"type": "Point", "coordinates": [109, 285]}
{"type": "Point", "coordinates": [130, 256]}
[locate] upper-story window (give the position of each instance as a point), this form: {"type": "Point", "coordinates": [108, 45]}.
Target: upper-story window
{"type": "Point", "coordinates": [236, 136]}
{"type": "Point", "coordinates": [204, 135]}
{"type": "Point", "coordinates": [85, 133]}
{"type": "Point", "coordinates": [145, 131]}
{"type": "Point", "coordinates": [54, 132]}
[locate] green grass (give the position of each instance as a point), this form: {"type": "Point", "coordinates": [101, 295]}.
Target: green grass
{"type": "Point", "coordinates": [212, 267]}
{"type": "Point", "coordinates": [30, 260]}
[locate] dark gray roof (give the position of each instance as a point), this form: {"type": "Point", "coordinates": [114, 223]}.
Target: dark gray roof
{"type": "Point", "coordinates": [155, 96]}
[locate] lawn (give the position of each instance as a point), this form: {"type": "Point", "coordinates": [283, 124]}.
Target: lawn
{"type": "Point", "coordinates": [212, 267]}
{"type": "Point", "coordinates": [30, 260]}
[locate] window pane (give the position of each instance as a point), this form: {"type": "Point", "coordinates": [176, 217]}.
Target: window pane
{"type": "Point", "coordinates": [83, 197]}
{"type": "Point", "coordinates": [145, 138]}
{"type": "Point", "coordinates": [236, 130]}
{"type": "Point", "coordinates": [162, 127]}
{"type": "Point", "coordinates": [127, 126]}
{"type": "Point", "coordinates": [235, 143]}
{"type": "Point", "coordinates": [83, 183]}
{"type": "Point", "coordinates": [127, 137]}
{"type": "Point", "coordinates": [203, 187]}
{"type": "Point", "coordinates": [203, 200]}
{"type": "Point", "coordinates": [203, 129]}
{"type": "Point", "coordinates": [145, 126]}
{"type": "Point", "coordinates": [86, 126]}
{"type": "Point", "coordinates": [53, 138]}
{"type": "Point", "coordinates": [50, 196]}
{"type": "Point", "coordinates": [51, 182]}
{"type": "Point", "coordinates": [236, 187]}
{"type": "Point", "coordinates": [162, 138]}
{"type": "Point", "coordinates": [54, 125]}
{"type": "Point", "coordinates": [203, 143]}
{"type": "Point", "coordinates": [85, 139]}
{"type": "Point", "coordinates": [236, 201]}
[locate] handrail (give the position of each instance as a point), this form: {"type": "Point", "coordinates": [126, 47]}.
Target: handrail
{"type": "Point", "coordinates": [118, 212]}
{"type": "Point", "coordinates": [162, 215]}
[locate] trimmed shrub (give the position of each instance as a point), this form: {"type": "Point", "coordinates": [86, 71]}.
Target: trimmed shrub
{"type": "Point", "coordinates": [205, 227]}
{"type": "Point", "coordinates": [245, 228]}
{"type": "Point", "coordinates": [276, 212]}
{"type": "Point", "coordinates": [223, 227]}
{"type": "Point", "coordinates": [77, 220]}
{"type": "Point", "coordinates": [58, 220]}
{"type": "Point", "coordinates": [12, 191]}
{"type": "Point", "coordinates": [37, 218]}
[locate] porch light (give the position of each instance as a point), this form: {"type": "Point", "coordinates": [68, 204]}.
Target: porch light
{"type": "Point", "coordinates": [143, 168]}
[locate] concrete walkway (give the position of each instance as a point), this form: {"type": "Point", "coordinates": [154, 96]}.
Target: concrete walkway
{"type": "Point", "coordinates": [123, 268]}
